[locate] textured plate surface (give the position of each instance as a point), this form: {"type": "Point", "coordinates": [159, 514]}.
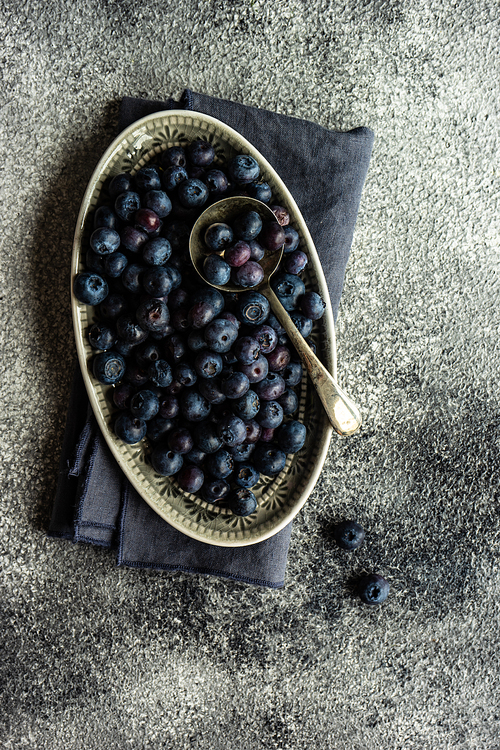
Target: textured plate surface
{"type": "Point", "coordinates": [280, 498]}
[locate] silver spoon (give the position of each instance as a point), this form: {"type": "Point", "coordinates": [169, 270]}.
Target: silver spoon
{"type": "Point", "coordinates": [343, 414]}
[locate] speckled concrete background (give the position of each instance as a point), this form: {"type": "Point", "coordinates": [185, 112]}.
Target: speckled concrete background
{"type": "Point", "coordinates": [93, 656]}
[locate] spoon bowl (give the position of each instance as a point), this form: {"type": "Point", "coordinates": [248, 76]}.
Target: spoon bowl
{"type": "Point", "coordinates": [343, 414]}
{"type": "Point", "coordinates": [225, 211]}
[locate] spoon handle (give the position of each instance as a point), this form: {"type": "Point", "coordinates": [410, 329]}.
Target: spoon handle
{"type": "Point", "coordinates": [341, 411]}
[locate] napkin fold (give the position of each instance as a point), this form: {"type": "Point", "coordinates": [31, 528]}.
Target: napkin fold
{"type": "Point", "coordinates": [94, 503]}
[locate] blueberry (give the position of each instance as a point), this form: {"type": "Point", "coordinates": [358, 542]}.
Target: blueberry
{"type": "Point", "coordinates": [270, 414]}
{"type": "Point", "coordinates": [131, 278]}
{"type": "Point", "coordinates": [235, 385]}
{"type": "Point", "coordinates": [267, 338]}
{"type": "Point", "coordinates": [194, 407]}
{"type": "Point", "coordinates": [159, 202]}
{"type": "Point", "coordinates": [312, 305]}
{"type": "Point", "coordinates": [185, 374]}
{"type": "Point", "coordinates": [113, 306]}
{"type": "Point", "coordinates": [304, 325]}
{"type": "Point", "coordinates": [242, 502]}
{"type": "Point", "coordinates": [200, 153]}
{"type": "Point", "coordinates": [260, 190]}
{"type": "Point", "coordinates": [292, 239]}
{"type": "Point", "coordinates": [196, 456]}
{"type": "Point", "coordinates": [206, 438]}
{"type": "Point", "coordinates": [173, 176]}
{"type": "Point", "coordinates": [242, 452]}
{"type": "Point", "coordinates": [104, 241]}
{"type": "Point", "coordinates": [292, 374]}
{"type": "Point", "coordinates": [175, 156]}
{"type": "Point", "coordinates": [180, 440]}
{"type": "Point", "coordinates": [108, 367]}
{"type": "Point", "coordinates": [254, 431]}
{"type": "Point", "coordinates": [253, 308]}
{"type": "Point", "coordinates": [217, 182]}
{"type": "Point", "coordinates": [208, 364]}
{"type": "Point", "coordinates": [216, 270]}
{"type": "Point", "coordinates": [160, 373]}
{"type": "Point", "coordinates": [94, 262]}
{"type": "Point", "coordinates": [157, 281]}
{"type": "Point", "coordinates": [295, 262]}
{"type": "Point", "coordinates": [158, 428]}
{"type": "Point", "coordinates": [247, 407]}
{"type": "Point", "coordinates": [288, 288]}
{"type": "Point", "coordinates": [121, 183]}
{"type": "Point", "coordinates": [147, 178]}
{"type": "Point", "coordinates": [178, 298]}
{"type": "Point", "coordinates": [250, 274]}
{"type": "Point", "coordinates": [220, 464]}
{"type": "Point", "coordinates": [279, 358]}
{"type": "Point", "coordinates": [270, 388]}
{"type": "Point", "coordinates": [218, 236]}
{"type": "Point", "coordinates": [211, 389]}
{"type": "Point", "coordinates": [373, 589]}
{"type": "Point", "coordinates": [207, 304]}
{"type": "Point", "coordinates": [247, 225]}
{"type": "Point", "coordinates": [122, 394]}
{"type": "Point", "coordinates": [114, 264]}
{"type": "Point", "coordinates": [148, 221]}
{"type": "Point", "coordinates": [291, 436]}
{"type": "Point", "coordinates": [130, 331]}
{"type": "Point", "coordinates": [238, 254]}
{"type": "Point", "coordinates": [177, 233]}
{"type": "Point", "coordinates": [101, 337]}
{"type": "Point", "coordinates": [126, 204]}
{"type": "Point", "coordinates": [165, 461]}
{"type": "Point", "coordinates": [130, 429]}
{"type": "Point", "coordinates": [220, 335]}
{"type": "Point", "coordinates": [153, 315]}
{"type": "Point", "coordinates": [246, 475]}
{"type": "Point", "coordinates": [349, 535]}
{"type": "Point", "coordinates": [190, 478]}
{"type": "Point", "coordinates": [192, 193]}
{"type": "Point", "coordinates": [289, 401]}
{"type": "Point", "coordinates": [246, 349]}
{"type": "Point", "coordinates": [257, 370]}
{"type": "Point", "coordinates": [169, 407]}
{"type": "Point", "coordinates": [268, 460]}
{"type": "Point", "coordinates": [243, 169]}
{"type": "Point", "coordinates": [174, 348]}
{"type": "Point", "coordinates": [257, 252]}
{"type": "Point", "coordinates": [282, 215]}
{"type": "Point", "coordinates": [144, 405]}
{"type": "Point", "coordinates": [90, 288]}
{"type": "Point", "coordinates": [215, 490]}
{"type": "Point", "coordinates": [272, 236]}
{"type": "Point", "coordinates": [133, 239]}
{"type": "Point", "coordinates": [231, 430]}
{"type": "Point", "coordinates": [157, 251]}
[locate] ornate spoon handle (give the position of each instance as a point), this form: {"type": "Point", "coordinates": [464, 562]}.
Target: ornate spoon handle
{"type": "Point", "coordinates": [340, 409]}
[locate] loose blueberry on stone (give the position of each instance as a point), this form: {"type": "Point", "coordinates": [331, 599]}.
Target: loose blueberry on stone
{"type": "Point", "coordinates": [349, 535]}
{"type": "Point", "coordinates": [373, 589]}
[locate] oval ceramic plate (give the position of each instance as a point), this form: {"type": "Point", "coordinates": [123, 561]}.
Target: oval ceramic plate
{"type": "Point", "coordinates": [279, 498]}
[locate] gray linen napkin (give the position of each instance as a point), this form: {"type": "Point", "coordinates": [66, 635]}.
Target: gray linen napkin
{"type": "Point", "coordinates": [325, 172]}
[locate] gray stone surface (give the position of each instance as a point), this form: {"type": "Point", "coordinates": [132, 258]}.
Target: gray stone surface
{"type": "Point", "coordinates": [95, 656]}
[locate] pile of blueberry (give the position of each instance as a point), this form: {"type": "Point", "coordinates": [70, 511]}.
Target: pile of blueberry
{"type": "Point", "coordinates": [208, 377]}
